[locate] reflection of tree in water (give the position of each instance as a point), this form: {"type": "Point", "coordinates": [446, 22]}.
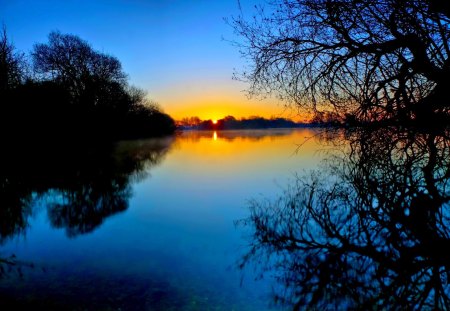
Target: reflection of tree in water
{"type": "Point", "coordinates": [14, 208]}
{"type": "Point", "coordinates": [81, 185]}
{"type": "Point", "coordinates": [371, 229]}
{"type": "Point", "coordinates": [98, 188]}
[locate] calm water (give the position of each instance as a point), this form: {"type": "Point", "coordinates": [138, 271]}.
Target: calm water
{"type": "Point", "coordinates": [149, 225]}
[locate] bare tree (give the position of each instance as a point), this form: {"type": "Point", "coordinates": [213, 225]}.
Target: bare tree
{"type": "Point", "coordinates": [370, 59]}
{"type": "Point", "coordinates": [74, 63]}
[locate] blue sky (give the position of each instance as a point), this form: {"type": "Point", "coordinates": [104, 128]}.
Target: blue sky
{"type": "Point", "coordinates": [172, 49]}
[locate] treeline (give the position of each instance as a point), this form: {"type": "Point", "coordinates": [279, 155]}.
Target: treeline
{"type": "Point", "coordinates": [231, 123]}
{"type": "Point", "coordinates": [66, 89]}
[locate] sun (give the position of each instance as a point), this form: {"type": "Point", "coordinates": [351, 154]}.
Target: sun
{"type": "Point", "coordinates": [214, 121]}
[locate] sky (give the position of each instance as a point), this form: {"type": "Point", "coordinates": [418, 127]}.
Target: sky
{"type": "Point", "coordinates": [178, 51]}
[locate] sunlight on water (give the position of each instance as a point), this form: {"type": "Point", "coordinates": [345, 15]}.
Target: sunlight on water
{"type": "Point", "coordinates": [173, 243]}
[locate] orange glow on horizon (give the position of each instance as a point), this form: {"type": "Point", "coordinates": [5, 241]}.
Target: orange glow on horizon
{"type": "Point", "coordinates": [216, 104]}
{"type": "Point", "coordinates": [218, 112]}
{"type": "Point", "coordinates": [217, 99]}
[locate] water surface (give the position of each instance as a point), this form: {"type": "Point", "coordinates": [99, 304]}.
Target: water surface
{"type": "Point", "coordinates": [148, 224]}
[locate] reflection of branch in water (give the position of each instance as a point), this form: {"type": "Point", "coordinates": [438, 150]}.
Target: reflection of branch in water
{"type": "Point", "coordinates": [332, 136]}
{"type": "Point", "coordinates": [82, 210]}
{"type": "Point", "coordinates": [369, 230]}
{"type": "Point", "coordinates": [82, 185]}
{"type": "Point", "coordinates": [11, 264]}
{"type": "Point", "coordinates": [99, 193]}
{"type": "Point", "coordinates": [15, 208]}
{"type": "Point", "coordinates": [7, 264]}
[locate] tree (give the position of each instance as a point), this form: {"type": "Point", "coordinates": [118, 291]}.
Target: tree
{"type": "Point", "coordinates": [98, 88]}
{"type": "Point", "coordinates": [72, 62]}
{"type": "Point", "coordinates": [75, 92]}
{"type": "Point", "coordinates": [12, 64]}
{"type": "Point", "coordinates": [371, 59]}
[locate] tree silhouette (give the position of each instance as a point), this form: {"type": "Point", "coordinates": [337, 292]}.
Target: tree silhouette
{"type": "Point", "coordinates": [76, 93]}
{"type": "Point", "coordinates": [12, 64]}
{"type": "Point", "coordinates": [374, 60]}
{"type": "Point", "coordinates": [367, 231]}
{"type": "Point", "coordinates": [71, 61]}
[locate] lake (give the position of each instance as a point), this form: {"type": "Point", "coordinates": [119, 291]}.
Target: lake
{"type": "Point", "coordinates": [146, 225]}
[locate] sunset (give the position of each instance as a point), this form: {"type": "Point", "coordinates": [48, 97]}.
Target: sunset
{"type": "Point", "coordinates": [224, 155]}
{"type": "Point", "coordinates": [179, 52]}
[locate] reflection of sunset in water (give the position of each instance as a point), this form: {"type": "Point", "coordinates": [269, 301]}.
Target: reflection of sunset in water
{"type": "Point", "coordinates": [226, 152]}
